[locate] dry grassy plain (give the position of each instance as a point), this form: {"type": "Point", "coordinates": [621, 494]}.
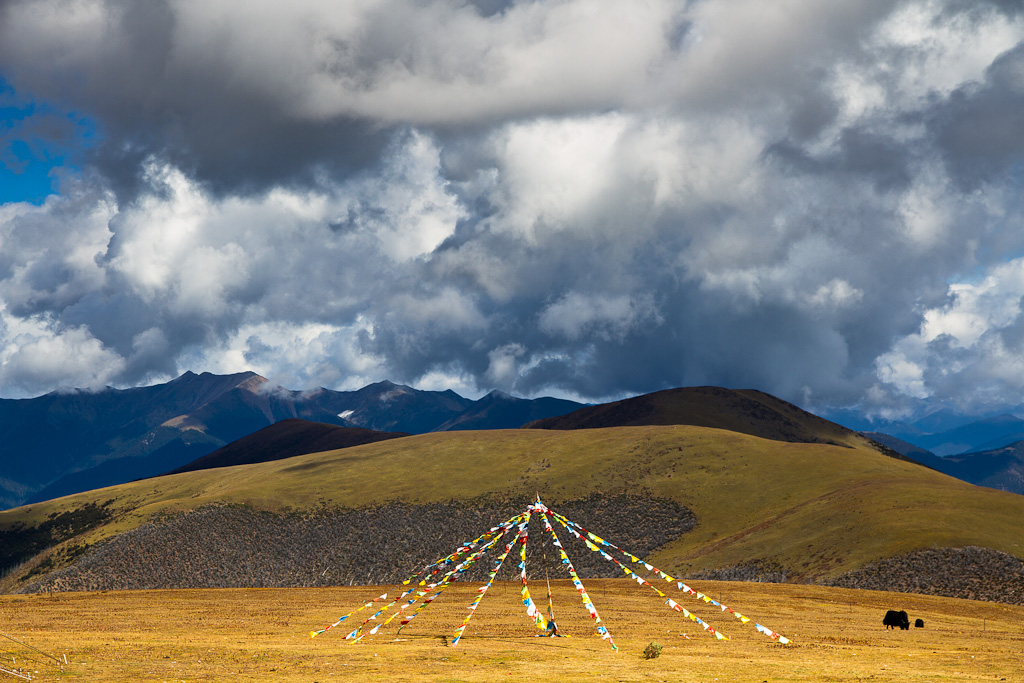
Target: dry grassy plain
{"type": "Point", "coordinates": [263, 635]}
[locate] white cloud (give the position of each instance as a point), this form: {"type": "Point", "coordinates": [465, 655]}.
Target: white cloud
{"type": "Point", "coordinates": [946, 49]}
{"type": "Point", "coordinates": [185, 272]}
{"type": "Point", "coordinates": [447, 310]}
{"type": "Point", "coordinates": [455, 379]}
{"type": "Point", "coordinates": [48, 253]}
{"type": "Point", "coordinates": [37, 356]}
{"type": "Point", "coordinates": [557, 174]}
{"type": "Point", "coordinates": [742, 50]}
{"type": "Point", "coordinates": [409, 208]}
{"type": "Point", "coordinates": [158, 234]}
{"type": "Point", "coordinates": [503, 365]}
{"type": "Point", "coordinates": [442, 63]}
{"type": "Point", "coordinates": [836, 294]}
{"type": "Point", "coordinates": [968, 349]}
{"type": "Point", "coordinates": [607, 317]}
{"type": "Point", "coordinates": [304, 355]}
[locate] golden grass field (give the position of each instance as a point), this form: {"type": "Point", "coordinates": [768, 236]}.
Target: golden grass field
{"type": "Point", "coordinates": [263, 635]}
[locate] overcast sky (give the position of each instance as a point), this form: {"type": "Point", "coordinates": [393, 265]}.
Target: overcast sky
{"type": "Point", "coordinates": [580, 198]}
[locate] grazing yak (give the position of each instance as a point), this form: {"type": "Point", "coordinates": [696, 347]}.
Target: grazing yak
{"type": "Point", "coordinates": [893, 619]}
{"type": "Point", "coordinates": [919, 623]}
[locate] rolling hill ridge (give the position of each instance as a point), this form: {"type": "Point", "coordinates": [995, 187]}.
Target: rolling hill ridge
{"type": "Point", "coordinates": [802, 511]}
{"type": "Point", "coordinates": [286, 439]}
{"type": "Point", "coordinates": [744, 411]}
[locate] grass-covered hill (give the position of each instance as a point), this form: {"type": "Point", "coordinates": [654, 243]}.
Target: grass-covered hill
{"type": "Point", "coordinates": [744, 411]}
{"type": "Point", "coordinates": [802, 511]}
{"type": "Point", "coordinates": [286, 439]}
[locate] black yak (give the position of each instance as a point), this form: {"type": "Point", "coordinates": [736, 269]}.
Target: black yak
{"type": "Point", "coordinates": [919, 623]}
{"type": "Point", "coordinates": [893, 619]}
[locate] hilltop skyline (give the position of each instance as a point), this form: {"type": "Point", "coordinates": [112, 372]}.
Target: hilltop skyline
{"type": "Point", "coordinates": [574, 198]}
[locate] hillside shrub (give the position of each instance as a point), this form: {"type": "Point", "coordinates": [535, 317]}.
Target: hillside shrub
{"type": "Point", "coordinates": [652, 651]}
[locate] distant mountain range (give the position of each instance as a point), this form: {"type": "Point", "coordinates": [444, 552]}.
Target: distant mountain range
{"type": "Point", "coordinates": [944, 432]}
{"type": "Point", "coordinates": [986, 450]}
{"type": "Point", "coordinates": [998, 468]}
{"type": "Point", "coordinates": [981, 435]}
{"type": "Point", "coordinates": [922, 455]}
{"type": "Point", "coordinates": [66, 442]}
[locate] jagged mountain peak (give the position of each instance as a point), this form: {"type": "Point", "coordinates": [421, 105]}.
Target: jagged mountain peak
{"type": "Point", "coordinates": [387, 389]}
{"type": "Point", "coordinates": [189, 377]}
{"type": "Point", "coordinates": [498, 395]}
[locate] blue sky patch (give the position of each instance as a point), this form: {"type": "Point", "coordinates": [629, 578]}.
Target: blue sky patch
{"type": "Point", "coordinates": [38, 142]}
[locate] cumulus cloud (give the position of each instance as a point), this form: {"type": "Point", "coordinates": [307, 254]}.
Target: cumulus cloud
{"type": "Point", "coordinates": [576, 197]}
{"type": "Point", "coordinates": [970, 350]}
{"type": "Point", "coordinates": [40, 356]}
{"type": "Point", "coordinates": [577, 314]}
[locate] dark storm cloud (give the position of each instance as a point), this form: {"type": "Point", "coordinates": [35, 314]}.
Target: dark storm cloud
{"type": "Point", "coordinates": [152, 96]}
{"type": "Point", "coordinates": [980, 130]}
{"type": "Point", "coordinates": [489, 8]}
{"type": "Point", "coordinates": [858, 153]}
{"type": "Point", "coordinates": [588, 198]}
{"type": "Point", "coordinates": [960, 8]}
{"type": "Point", "coordinates": [246, 154]}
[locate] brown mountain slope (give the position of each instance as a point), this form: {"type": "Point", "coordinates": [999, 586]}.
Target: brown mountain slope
{"type": "Point", "coordinates": [286, 439]}
{"type": "Point", "coordinates": [745, 411]}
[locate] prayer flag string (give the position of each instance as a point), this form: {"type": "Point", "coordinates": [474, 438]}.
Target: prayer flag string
{"type": "Point", "coordinates": [531, 608]}
{"type": "Point", "coordinates": [467, 554]}
{"type": "Point", "coordinates": [490, 579]}
{"type": "Point", "coordinates": [429, 596]}
{"type": "Point", "coordinates": [569, 524]}
{"type": "Point", "coordinates": [461, 550]}
{"type": "Point", "coordinates": [448, 577]}
{"type": "Point", "coordinates": [644, 582]}
{"type": "Point", "coordinates": [451, 576]}
{"type": "Point", "coordinates": [587, 602]}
